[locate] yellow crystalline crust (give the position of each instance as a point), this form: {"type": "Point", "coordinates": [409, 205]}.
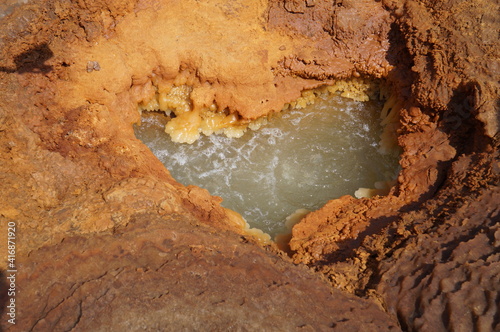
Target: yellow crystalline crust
{"type": "Point", "coordinates": [259, 235]}
{"type": "Point", "coordinates": [188, 122]}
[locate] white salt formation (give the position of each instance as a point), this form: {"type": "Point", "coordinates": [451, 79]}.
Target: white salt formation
{"type": "Point", "coordinates": [324, 146]}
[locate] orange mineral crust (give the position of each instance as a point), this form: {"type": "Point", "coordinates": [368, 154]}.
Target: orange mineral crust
{"type": "Point", "coordinates": [106, 239]}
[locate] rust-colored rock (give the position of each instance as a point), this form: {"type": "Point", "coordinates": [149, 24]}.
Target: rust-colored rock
{"type": "Point", "coordinates": [173, 274]}
{"type": "Point", "coordinates": [431, 243]}
{"type": "Point", "coordinates": [107, 240]}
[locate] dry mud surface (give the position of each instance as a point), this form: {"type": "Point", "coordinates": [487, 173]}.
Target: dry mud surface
{"type": "Point", "coordinates": [107, 240]}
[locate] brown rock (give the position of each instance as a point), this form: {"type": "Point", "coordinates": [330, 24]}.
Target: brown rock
{"type": "Point", "coordinates": [107, 240]}
{"type": "Point", "coordinates": [173, 274]}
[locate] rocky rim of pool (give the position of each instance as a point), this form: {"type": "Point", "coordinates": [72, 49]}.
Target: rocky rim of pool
{"type": "Point", "coordinates": [106, 239]}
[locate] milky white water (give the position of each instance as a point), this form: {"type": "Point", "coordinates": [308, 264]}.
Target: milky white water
{"type": "Point", "coordinates": [300, 159]}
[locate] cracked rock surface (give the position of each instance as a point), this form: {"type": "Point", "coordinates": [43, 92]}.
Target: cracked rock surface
{"type": "Point", "coordinates": [106, 239]}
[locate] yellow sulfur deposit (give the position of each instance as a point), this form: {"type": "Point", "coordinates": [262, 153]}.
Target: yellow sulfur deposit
{"type": "Point", "coordinates": [177, 98]}
{"type": "Point", "coordinates": [185, 127]}
{"type": "Point", "coordinates": [258, 234]}
{"type": "Point", "coordinates": [382, 188]}
{"type": "Point", "coordinates": [189, 121]}
{"type": "Point", "coordinates": [357, 89]}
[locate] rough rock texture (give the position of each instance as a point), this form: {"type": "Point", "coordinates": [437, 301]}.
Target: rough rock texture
{"type": "Point", "coordinates": [429, 251]}
{"type": "Point", "coordinates": [107, 240]}
{"type": "Point", "coordinates": [173, 274]}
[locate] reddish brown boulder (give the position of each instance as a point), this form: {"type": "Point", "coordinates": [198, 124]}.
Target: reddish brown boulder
{"type": "Point", "coordinates": [107, 240]}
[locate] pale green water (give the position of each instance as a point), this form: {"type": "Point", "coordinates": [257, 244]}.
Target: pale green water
{"type": "Point", "coordinates": [300, 159]}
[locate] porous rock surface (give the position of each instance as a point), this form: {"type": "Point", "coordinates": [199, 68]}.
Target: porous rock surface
{"type": "Point", "coordinates": [107, 240]}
